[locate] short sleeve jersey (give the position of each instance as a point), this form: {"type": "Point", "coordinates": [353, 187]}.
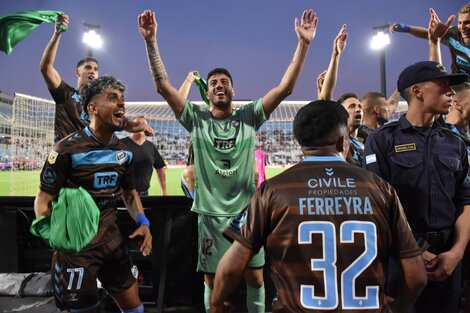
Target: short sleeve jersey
{"type": "Point", "coordinates": [329, 229]}
{"type": "Point", "coordinates": [146, 156]}
{"type": "Point", "coordinates": [103, 170]}
{"type": "Point", "coordinates": [459, 50]}
{"type": "Point", "coordinates": [69, 117]}
{"type": "Point", "coordinates": [223, 157]}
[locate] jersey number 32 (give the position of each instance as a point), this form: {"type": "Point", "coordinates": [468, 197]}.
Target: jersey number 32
{"type": "Point", "coordinates": [327, 265]}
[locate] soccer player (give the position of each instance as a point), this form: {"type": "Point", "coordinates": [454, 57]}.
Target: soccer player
{"type": "Point", "coordinates": [427, 165]}
{"type": "Point", "coordinates": [376, 111]}
{"type": "Point", "coordinates": [350, 101]}
{"type": "Point", "coordinates": [69, 116]}
{"type": "Point", "coordinates": [328, 227]}
{"type": "Point", "coordinates": [457, 38]}
{"type": "Point", "coordinates": [146, 156]}
{"type": "Point", "coordinates": [95, 159]}
{"type": "Point", "coordinates": [223, 141]}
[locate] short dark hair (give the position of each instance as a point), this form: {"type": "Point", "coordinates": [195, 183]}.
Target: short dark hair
{"type": "Point", "coordinates": [369, 99]}
{"type": "Point", "coordinates": [347, 95]}
{"type": "Point", "coordinates": [87, 59]}
{"type": "Point", "coordinates": [316, 124]}
{"type": "Point", "coordinates": [97, 86]}
{"type": "Point", "coordinates": [220, 70]}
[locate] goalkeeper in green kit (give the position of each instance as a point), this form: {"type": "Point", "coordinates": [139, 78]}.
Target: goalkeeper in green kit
{"type": "Point", "coordinates": [223, 142]}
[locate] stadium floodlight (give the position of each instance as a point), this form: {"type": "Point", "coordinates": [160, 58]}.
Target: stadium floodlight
{"type": "Point", "coordinates": [92, 37]}
{"type": "Point", "coordinates": [379, 41]}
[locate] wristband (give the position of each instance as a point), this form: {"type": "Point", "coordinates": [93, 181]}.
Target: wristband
{"type": "Point", "coordinates": [402, 28]}
{"type": "Point", "coordinates": [142, 220]}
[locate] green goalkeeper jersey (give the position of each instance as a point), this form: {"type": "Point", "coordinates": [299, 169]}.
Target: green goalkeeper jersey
{"type": "Point", "coordinates": [223, 156]}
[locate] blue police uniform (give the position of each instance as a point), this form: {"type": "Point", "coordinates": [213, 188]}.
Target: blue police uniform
{"type": "Point", "coordinates": [428, 168]}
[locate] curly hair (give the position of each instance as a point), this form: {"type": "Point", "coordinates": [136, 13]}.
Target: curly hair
{"type": "Point", "coordinates": [97, 86]}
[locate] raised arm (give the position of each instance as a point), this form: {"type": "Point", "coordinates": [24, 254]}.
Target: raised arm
{"type": "Point", "coordinates": [329, 84]}
{"type": "Point", "coordinates": [305, 32]}
{"type": "Point", "coordinates": [320, 81]}
{"type": "Point", "coordinates": [417, 31]}
{"type": "Point", "coordinates": [148, 30]}
{"type": "Point", "coordinates": [436, 30]}
{"type": "Point", "coordinates": [186, 85]}
{"type": "Point", "coordinates": [49, 72]}
{"type": "Point", "coordinates": [392, 103]}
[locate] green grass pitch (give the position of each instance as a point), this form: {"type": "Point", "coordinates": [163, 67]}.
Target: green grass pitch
{"type": "Point", "coordinates": [27, 182]}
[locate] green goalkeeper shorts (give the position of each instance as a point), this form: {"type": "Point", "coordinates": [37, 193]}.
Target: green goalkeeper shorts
{"type": "Point", "coordinates": [212, 244]}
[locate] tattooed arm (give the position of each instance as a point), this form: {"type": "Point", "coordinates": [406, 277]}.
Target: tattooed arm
{"type": "Point", "coordinates": [148, 31]}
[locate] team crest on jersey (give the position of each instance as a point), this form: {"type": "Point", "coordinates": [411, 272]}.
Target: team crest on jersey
{"type": "Point", "coordinates": [135, 271]}
{"type": "Point", "coordinates": [52, 157]}
{"type": "Point", "coordinates": [121, 157]}
{"type": "Point", "coordinates": [235, 123]}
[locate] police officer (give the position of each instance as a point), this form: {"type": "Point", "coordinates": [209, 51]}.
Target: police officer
{"type": "Point", "coordinates": [427, 165]}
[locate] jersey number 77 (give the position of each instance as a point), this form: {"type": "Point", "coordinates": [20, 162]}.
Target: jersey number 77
{"type": "Point", "coordinates": [327, 265]}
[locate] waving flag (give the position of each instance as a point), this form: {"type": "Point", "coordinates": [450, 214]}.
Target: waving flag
{"type": "Point", "coordinates": [16, 26]}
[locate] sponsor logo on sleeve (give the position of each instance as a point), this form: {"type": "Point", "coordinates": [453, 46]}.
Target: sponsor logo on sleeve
{"type": "Point", "coordinates": [49, 176]}
{"type": "Point", "coordinates": [52, 157]}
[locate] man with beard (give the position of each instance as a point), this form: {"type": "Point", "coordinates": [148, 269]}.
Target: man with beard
{"type": "Point", "coordinates": [95, 162]}
{"type": "Point", "coordinates": [350, 101]}
{"type": "Point", "coordinates": [223, 142]}
{"type": "Point", "coordinates": [69, 116]}
{"type": "Point", "coordinates": [376, 112]}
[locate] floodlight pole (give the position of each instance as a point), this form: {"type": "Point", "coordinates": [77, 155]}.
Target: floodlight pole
{"type": "Point", "coordinates": [383, 73]}
{"type": "Point", "coordinates": [383, 70]}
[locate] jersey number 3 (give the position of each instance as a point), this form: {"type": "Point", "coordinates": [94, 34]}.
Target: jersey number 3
{"type": "Point", "coordinates": [327, 265]}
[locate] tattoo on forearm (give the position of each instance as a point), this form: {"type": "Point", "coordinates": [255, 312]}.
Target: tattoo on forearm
{"type": "Point", "coordinates": [157, 68]}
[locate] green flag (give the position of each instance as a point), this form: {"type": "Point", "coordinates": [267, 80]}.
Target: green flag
{"type": "Point", "coordinates": [16, 26]}
{"type": "Point", "coordinates": [202, 85]}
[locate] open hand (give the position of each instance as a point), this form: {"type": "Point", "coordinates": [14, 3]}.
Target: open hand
{"type": "Point", "coordinates": [307, 29]}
